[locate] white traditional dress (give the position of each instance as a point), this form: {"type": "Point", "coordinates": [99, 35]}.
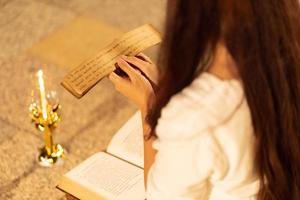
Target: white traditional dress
{"type": "Point", "coordinates": [205, 145]}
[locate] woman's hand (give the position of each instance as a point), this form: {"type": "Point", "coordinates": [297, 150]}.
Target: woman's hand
{"type": "Point", "coordinates": [145, 65]}
{"type": "Point", "coordinates": [137, 86]}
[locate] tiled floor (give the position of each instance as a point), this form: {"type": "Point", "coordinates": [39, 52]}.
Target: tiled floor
{"type": "Point", "coordinates": [89, 123]}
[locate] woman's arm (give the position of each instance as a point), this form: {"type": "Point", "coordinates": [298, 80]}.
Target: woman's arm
{"type": "Point", "coordinates": [149, 156]}
{"type": "Point", "coordinates": [149, 152]}
{"type": "Point", "coordinates": [138, 89]}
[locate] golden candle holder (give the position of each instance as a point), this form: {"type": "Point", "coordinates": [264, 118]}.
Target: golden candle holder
{"type": "Point", "coordinates": [46, 116]}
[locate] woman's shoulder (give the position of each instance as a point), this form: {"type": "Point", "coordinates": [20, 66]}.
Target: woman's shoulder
{"type": "Point", "coordinates": [205, 103]}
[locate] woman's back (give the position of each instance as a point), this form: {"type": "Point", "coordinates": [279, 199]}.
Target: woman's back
{"type": "Point", "coordinates": [206, 144]}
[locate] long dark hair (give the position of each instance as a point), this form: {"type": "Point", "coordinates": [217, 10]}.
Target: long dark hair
{"type": "Point", "coordinates": [263, 37]}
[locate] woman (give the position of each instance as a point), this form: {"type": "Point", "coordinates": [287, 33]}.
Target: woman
{"type": "Point", "coordinates": [224, 123]}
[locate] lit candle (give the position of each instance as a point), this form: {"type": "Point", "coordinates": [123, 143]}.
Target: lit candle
{"type": "Point", "coordinates": [42, 94]}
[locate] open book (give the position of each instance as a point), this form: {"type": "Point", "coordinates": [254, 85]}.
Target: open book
{"type": "Point", "coordinates": [81, 79]}
{"type": "Point", "coordinates": [116, 173]}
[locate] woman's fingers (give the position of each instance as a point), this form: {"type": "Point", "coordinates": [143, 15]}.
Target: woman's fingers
{"type": "Point", "coordinates": [149, 70]}
{"type": "Point", "coordinates": [140, 64]}
{"type": "Point", "coordinates": [130, 71]}
{"type": "Point", "coordinates": [144, 57]}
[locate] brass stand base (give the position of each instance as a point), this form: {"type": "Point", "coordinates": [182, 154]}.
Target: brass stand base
{"type": "Point", "coordinates": [55, 158]}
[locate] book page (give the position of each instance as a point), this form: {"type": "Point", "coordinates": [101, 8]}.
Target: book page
{"type": "Point", "coordinates": [105, 177]}
{"type": "Point", "coordinates": [127, 143]}
{"type": "Point", "coordinates": [81, 79]}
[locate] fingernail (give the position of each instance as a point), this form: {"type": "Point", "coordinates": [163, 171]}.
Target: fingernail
{"type": "Point", "coordinates": [123, 56]}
